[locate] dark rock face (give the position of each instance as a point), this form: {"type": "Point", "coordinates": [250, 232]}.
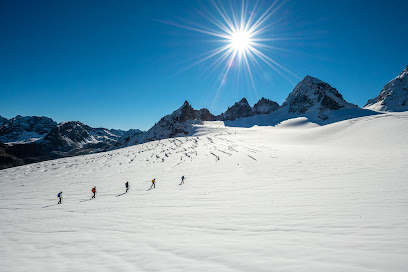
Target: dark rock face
{"type": "Point", "coordinates": [3, 120]}
{"type": "Point", "coordinates": [330, 103]}
{"type": "Point", "coordinates": [265, 106]}
{"type": "Point", "coordinates": [66, 136]}
{"type": "Point", "coordinates": [179, 123]}
{"type": "Point", "coordinates": [242, 109]}
{"type": "Point", "coordinates": [7, 160]}
{"type": "Point", "coordinates": [238, 110]}
{"type": "Point", "coordinates": [205, 115]}
{"type": "Point", "coordinates": [314, 95]}
{"type": "Point", "coordinates": [300, 104]}
{"type": "Point", "coordinates": [186, 113]}
{"type": "Point", "coordinates": [22, 128]}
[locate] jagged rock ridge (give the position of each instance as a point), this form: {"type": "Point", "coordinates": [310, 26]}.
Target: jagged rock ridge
{"type": "Point", "coordinates": [25, 128]}
{"type": "Point", "coordinates": [265, 106]}
{"type": "Point", "coordinates": [179, 123]}
{"type": "Point", "coordinates": [394, 95]}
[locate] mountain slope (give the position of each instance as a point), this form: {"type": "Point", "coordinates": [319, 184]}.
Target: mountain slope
{"type": "Point", "coordinates": [394, 95]}
{"type": "Point", "coordinates": [286, 198]}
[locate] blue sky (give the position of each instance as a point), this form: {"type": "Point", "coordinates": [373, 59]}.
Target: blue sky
{"type": "Point", "coordinates": [120, 64]}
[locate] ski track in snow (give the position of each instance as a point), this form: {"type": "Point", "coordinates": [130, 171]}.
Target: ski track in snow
{"type": "Point", "coordinates": [330, 198]}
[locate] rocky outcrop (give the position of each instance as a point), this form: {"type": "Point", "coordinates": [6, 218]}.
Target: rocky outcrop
{"type": "Point", "coordinates": [394, 95]}
{"type": "Point", "coordinates": [313, 95]}
{"type": "Point", "coordinates": [265, 106]}
{"type": "Point", "coordinates": [238, 110]}
{"type": "Point", "coordinates": [25, 128]}
{"type": "Point", "coordinates": [179, 123]}
{"type": "Point", "coordinates": [7, 160]}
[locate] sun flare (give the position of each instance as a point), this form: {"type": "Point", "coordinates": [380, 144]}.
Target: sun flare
{"type": "Point", "coordinates": [243, 32]}
{"type": "Point", "coordinates": [241, 40]}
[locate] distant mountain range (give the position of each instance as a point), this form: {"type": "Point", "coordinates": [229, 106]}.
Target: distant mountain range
{"type": "Point", "coordinates": [28, 139]}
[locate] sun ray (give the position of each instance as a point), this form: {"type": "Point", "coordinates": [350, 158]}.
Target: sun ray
{"type": "Point", "coordinates": [244, 30]}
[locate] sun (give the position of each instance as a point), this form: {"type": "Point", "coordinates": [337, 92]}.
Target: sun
{"type": "Point", "coordinates": [242, 34]}
{"type": "Point", "coordinates": [241, 40]}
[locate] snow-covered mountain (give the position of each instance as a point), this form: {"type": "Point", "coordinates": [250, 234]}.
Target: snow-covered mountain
{"type": "Point", "coordinates": [394, 95]}
{"type": "Point", "coordinates": [311, 95]}
{"type": "Point", "coordinates": [179, 123]}
{"type": "Point", "coordinates": [73, 135]}
{"type": "Point", "coordinates": [25, 128]}
{"type": "Point", "coordinates": [311, 98]}
{"type": "Point", "coordinates": [32, 139]}
{"type": "Point", "coordinates": [182, 122]}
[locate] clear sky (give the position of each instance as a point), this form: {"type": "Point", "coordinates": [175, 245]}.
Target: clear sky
{"type": "Point", "coordinates": [121, 64]}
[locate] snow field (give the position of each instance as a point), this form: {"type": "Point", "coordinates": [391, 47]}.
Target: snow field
{"type": "Point", "coordinates": [295, 197]}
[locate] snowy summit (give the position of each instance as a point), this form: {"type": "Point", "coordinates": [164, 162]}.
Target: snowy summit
{"type": "Point", "coordinates": [313, 95]}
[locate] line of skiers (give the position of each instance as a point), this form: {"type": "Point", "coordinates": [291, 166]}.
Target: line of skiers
{"type": "Point", "coordinates": [126, 185]}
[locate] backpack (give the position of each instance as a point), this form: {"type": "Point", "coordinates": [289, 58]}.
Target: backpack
{"type": "Point", "coordinates": [93, 190]}
{"type": "Point", "coordinates": [59, 195]}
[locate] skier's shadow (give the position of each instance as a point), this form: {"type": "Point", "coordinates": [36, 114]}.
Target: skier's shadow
{"type": "Point", "coordinates": [121, 194]}
{"type": "Point", "coordinates": [49, 206]}
{"type": "Point", "coordinates": [85, 200]}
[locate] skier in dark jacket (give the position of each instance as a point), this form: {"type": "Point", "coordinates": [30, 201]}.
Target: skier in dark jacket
{"type": "Point", "coordinates": [94, 192]}
{"type": "Point", "coordinates": [127, 186]}
{"type": "Point", "coordinates": [182, 180]}
{"type": "Point", "coordinates": [153, 184]}
{"type": "Point", "coordinates": [60, 198]}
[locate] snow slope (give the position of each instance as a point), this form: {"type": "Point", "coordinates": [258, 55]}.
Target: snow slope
{"type": "Point", "coordinates": [295, 197]}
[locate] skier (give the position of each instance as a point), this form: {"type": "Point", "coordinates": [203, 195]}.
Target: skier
{"type": "Point", "coordinates": [182, 180]}
{"type": "Point", "coordinates": [94, 192]}
{"type": "Point", "coordinates": [60, 198]}
{"type": "Point", "coordinates": [127, 186]}
{"type": "Point", "coordinates": [153, 184]}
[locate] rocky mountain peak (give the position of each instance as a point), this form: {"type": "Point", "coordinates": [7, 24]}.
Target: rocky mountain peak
{"type": "Point", "coordinates": [184, 113]}
{"type": "Point", "coordinates": [67, 135]}
{"type": "Point", "coordinates": [394, 95]}
{"type": "Point", "coordinates": [25, 128]}
{"type": "Point", "coordinates": [265, 106]}
{"type": "Point", "coordinates": [238, 110]}
{"type": "Point", "coordinates": [312, 94]}
{"type": "Point", "coordinates": [243, 101]}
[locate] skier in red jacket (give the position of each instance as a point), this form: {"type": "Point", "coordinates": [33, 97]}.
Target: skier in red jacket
{"type": "Point", "coordinates": [94, 192]}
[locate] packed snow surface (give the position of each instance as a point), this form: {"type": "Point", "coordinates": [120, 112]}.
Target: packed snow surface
{"type": "Point", "coordinates": [294, 197]}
